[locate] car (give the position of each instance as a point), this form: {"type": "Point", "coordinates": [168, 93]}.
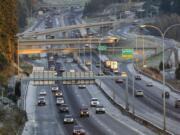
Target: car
{"type": "Point", "coordinates": [54, 88]}
{"type": "Point", "coordinates": [177, 103]}
{"type": "Point", "coordinates": [84, 111]}
{"type": "Point", "coordinates": [78, 130]}
{"type": "Point", "coordinates": [42, 93]}
{"type": "Point", "coordinates": [119, 80]}
{"type": "Point", "coordinates": [94, 102]}
{"type": "Point", "coordinates": [100, 109]}
{"type": "Point", "coordinates": [63, 56]}
{"type": "Point", "coordinates": [41, 101]}
{"type": "Point", "coordinates": [52, 68]}
{"type": "Point", "coordinates": [72, 70]}
{"type": "Point", "coordinates": [62, 69]}
{"type": "Point", "coordinates": [137, 77]}
{"type": "Point", "coordinates": [139, 93]}
{"type": "Point", "coordinates": [82, 86]}
{"type": "Point", "coordinates": [167, 95]}
{"type": "Point", "coordinates": [58, 94]}
{"type": "Point", "coordinates": [87, 45]}
{"type": "Point", "coordinates": [100, 74]}
{"type": "Point", "coordinates": [68, 60]}
{"type": "Point", "coordinates": [123, 74]}
{"type": "Point", "coordinates": [68, 119]}
{"type": "Point", "coordinates": [106, 71]}
{"type": "Point", "coordinates": [149, 84]}
{"type": "Point", "coordinates": [116, 71]}
{"type": "Point", "coordinates": [88, 63]}
{"type": "Point", "coordinates": [55, 73]}
{"type": "Point", "coordinates": [59, 101]}
{"type": "Point", "coordinates": [64, 108]}
{"type": "Point", "coordinates": [97, 64]}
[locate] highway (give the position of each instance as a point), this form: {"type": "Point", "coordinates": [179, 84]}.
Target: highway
{"type": "Point", "coordinates": [150, 106]}
{"type": "Point", "coordinates": [47, 120]}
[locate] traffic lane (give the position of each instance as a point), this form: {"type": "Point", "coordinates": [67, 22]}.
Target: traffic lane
{"type": "Point", "coordinates": [73, 97]}
{"type": "Point", "coordinates": [112, 123]}
{"type": "Point", "coordinates": [154, 93]}
{"type": "Point", "coordinates": [145, 106]}
{"type": "Point", "coordinates": [95, 124]}
{"type": "Point", "coordinates": [46, 116]}
{"type": "Point", "coordinates": [156, 102]}
{"type": "Point", "coordinates": [73, 100]}
{"type": "Point", "coordinates": [140, 103]}
{"type": "Point", "coordinates": [114, 127]}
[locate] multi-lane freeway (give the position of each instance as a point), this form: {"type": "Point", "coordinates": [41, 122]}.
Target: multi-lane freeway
{"type": "Point", "coordinates": [48, 120]}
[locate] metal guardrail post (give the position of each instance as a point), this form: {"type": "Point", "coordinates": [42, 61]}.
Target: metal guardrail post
{"type": "Point", "coordinates": [126, 95]}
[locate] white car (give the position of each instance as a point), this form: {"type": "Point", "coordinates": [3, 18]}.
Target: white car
{"type": "Point", "coordinates": [54, 88]}
{"type": "Point", "coordinates": [81, 86]}
{"type": "Point", "coordinates": [139, 93]}
{"type": "Point", "coordinates": [149, 84]}
{"type": "Point", "coordinates": [55, 73]}
{"type": "Point", "coordinates": [88, 63]}
{"type": "Point", "coordinates": [59, 101]}
{"type": "Point", "coordinates": [72, 70]}
{"type": "Point", "coordinates": [116, 71]}
{"type": "Point", "coordinates": [100, 109]}
{"type": "Point", "coordinates": [94, 102]}
{"type": "Point", "coordinates": [42, 93]}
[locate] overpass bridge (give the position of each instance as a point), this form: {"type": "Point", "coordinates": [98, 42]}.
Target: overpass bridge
{"type": "Point", "coordinates": [69, 28]}
{"type": "Point", "coordinates": [62, 3]}
{"type": "Point", "coordinates": [38, 43]}
{"type": "Point", "coordinates": [77, 50]}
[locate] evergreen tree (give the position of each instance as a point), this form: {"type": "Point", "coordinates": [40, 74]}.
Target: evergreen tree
{"type": "Point", "coordinates": [177, 73]}
{"type": "Point", "coordinates": [161, 66]}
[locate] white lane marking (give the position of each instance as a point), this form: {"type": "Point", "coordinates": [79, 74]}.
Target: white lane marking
{"type": "Point", "coordinates": [125, 124]}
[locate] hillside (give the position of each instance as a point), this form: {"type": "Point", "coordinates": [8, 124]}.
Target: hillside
{"type": "Point", "coordinates": [13, 16]}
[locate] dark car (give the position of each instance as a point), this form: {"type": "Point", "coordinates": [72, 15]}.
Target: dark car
{"type": "Point", "coordinates": [78, 130]}
{"type": "Point", "coordinates": [137, 77]}
{"type": "Point", "coordinates": [41, 101]}
{"type": "Point", "coordinates": [177, 103]}
{"type": "Point", "coordinates": [84, 111]}
{"type": "Point", "coordinates": [68, 119]}
{"type": "Point", "coordinates": [64, 108]}
{"type": "Point", "coordinates": [167, 95]}
{"type": "Point", "coordinates": [119, 80]}
{"type": "Point", "coordinates": [106, 71]}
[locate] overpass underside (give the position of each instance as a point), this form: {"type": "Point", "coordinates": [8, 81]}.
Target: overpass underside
{"type": "Point", "coordinates": [115, 50]}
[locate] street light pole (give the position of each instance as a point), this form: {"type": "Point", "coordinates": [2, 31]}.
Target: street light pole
{"type": "Point", "coordinates": [18, 57]}
{"type": "Point", "coordinates": [91, 53]}
{"type": "Point", "coordinates": [163, 38]}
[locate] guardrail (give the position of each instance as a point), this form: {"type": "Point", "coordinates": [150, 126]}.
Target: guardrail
{"type": "Point", "coordinates": [138, 119]}
{"type": "Point", "coordinates": [149, 76]}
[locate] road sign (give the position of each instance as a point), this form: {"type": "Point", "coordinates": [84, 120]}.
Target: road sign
{"type": "Point", "coordinates": [102, 48]}
{"type": "Point", "coordinates": [127, 53]}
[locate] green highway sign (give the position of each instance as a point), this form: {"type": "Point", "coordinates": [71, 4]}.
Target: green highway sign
{"type": "Point", "coordinates": [127, 53]}
{"type": "Point", "coordinates": [102, 48]}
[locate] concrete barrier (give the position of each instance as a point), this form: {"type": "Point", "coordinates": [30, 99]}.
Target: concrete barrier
{"type": "Point", "coordinates": [138, 119]}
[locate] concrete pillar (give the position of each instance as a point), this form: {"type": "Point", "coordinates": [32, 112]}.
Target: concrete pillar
{"type": "Point", "coordinates": [65, 35]}
{"type": "Point", "coordinates": [176, 57]}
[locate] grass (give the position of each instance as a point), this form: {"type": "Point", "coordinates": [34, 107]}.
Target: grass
{"type": "Point", "coordinates": [12, 120]}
